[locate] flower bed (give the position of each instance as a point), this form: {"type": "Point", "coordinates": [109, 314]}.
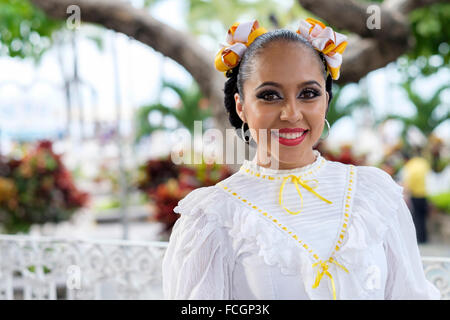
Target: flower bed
{"type": "Point", "coordinates": [36, 189]}
{"type": "Point", "coordinates": [166, 183]}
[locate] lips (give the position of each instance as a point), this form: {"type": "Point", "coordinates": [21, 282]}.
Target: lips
{"type": "Point", "coordinates": [291, 130]}
{"type": "Point", "coordinates": [291, 141]}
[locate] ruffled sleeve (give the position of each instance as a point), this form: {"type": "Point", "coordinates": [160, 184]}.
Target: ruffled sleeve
{"type": "Point", "coordinates": [199, 259]}
{"type": "Point", "coordinates": [405, 274]}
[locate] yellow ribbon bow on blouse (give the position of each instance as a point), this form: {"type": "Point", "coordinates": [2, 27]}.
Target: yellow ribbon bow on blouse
{"type": "Point", "coordinates": [324, 39]}
{"type": "Point", "coordinates": [239, 37]}
{"type": "Point", "coordinates": [303, 183]}
{"type": "Point", "coordinates": [320, 274]}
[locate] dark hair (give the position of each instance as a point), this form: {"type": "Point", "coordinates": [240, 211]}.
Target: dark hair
{"type": "Point", "coordinates": [240, 73]}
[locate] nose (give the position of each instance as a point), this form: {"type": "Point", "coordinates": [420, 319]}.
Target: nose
{"type": "Point", "coordinates": [291, 111]}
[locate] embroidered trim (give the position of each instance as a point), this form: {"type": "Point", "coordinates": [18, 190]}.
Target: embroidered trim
{"type": "Point", "coordinates": [268, 216]}
{"type": "Point", "coordinates": [344, 220]}
{"type": "Point", "coordinates": [351, 177]}
{"type": "Point", "coordinates": [271, 177]}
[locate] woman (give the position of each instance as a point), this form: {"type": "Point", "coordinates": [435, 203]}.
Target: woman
{"type": "Point", "coordinates": [291, 225]}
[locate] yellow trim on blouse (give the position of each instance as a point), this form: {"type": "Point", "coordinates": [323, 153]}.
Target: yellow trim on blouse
{"type": "Point", "coordinates": [323, 264]}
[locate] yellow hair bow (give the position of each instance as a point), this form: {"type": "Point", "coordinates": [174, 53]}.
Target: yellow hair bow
{"type": "Point", "coordinates": [239, 37]}
{"type": "Point", "coordinates": [332, 44]}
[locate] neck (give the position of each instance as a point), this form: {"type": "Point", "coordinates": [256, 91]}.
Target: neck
{"type": "Point", "coordinates": [272, 162]}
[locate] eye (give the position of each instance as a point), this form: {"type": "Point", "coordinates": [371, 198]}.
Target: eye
{"type": "Point", "coordinates": [309, 93]}
{"type": "Point", "coordinates": [268, 95]}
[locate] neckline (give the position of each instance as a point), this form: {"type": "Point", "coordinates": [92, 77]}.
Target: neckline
{"type": "Point", "coordinates": [251, 167]}
{"type": "Point", "coordinates": [346, 211]}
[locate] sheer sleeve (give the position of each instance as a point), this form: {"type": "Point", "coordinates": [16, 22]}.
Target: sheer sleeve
{"type": "Point", "coordinates": [199, 259]}
{"type": "Point", "coordinates": [406, 277]}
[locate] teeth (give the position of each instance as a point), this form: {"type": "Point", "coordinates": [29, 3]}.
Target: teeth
{"type": "Point", "coordinates": [291, 135]}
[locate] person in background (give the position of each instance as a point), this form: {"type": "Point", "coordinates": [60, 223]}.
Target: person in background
{"type": "Point", "coordinates": [414, 175]}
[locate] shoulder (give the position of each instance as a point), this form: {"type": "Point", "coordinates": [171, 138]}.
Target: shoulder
{"type": "Point", "coordinates": [376, 176]}
{"type": "Point", "coordinates": [363, 172]}
{"type": "Point", "coordinates": [375, 188]}
{"type": "Point", "coordinates": [373, 172]}
{"type": "Point", "coordinates": [376, 203]}
{"type": "Point", "coordinates": [201, 214]}
{"type": "Point", "coordinates": [367, 177]}
{"type": "Point", "coordinates": [210, 194]}
{"type": "Point", "coordinates": [212, 202]}
{"type": "Point", "coordinates": [197, 199]}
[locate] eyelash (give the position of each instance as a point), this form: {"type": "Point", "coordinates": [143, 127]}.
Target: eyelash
{"type": "Point", "coordinates": [263, 94]}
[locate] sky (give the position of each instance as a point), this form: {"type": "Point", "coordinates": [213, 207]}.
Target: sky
{"type": "Point", "coordinates": [32, 102]}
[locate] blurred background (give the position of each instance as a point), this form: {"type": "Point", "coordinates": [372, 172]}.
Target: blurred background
{"type": "Point", "coordinates": [94, 93]}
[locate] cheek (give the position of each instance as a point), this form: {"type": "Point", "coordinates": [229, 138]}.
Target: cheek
{"type": "Point", "coordinates": [263, 118]}
{"type": "Point", "coordinates": [316, 121]}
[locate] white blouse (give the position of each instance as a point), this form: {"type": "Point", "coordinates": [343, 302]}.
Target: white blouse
{"type": "Point", "coordinates": [323, 231]}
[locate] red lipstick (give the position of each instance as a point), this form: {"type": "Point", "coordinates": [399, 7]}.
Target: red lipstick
{"type": "Point", "coordinates": [294, 141]}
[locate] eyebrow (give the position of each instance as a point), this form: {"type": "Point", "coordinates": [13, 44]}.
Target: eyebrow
{"type": "Point", "coordinates": [275, 84]}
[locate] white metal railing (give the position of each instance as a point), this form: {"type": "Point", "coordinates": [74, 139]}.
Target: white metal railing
{"type": "Point", "coordinates": [64, 268]}
{"type": "Point", "coordinates": [437, 270]}
{"type": "Point", "coordinates": [61, 268]}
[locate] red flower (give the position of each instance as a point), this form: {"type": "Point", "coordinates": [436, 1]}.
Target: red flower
{"type": "Point", "coordinates": [45, 189]}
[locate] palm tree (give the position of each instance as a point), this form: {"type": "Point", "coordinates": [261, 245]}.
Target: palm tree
{"type": "Point", "coordinates": [338, 110]}
{"type": "Point", "coordinates": [192, 107]}
{"type": "Point", "coordinates": [425, 118]}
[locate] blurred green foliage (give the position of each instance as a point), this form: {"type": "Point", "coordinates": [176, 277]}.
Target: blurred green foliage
{"type": "Point", "coordinates": [425, 117]}
{"type": "Point", "coordinates": [441, 201]}
{"type": "Point", "coordinates": [338, 109]}
{"type": "Point", "coordinates": [192, 107]}
{"type": "Point", "coordinates": [431, 29]}
{"type": "Point", "coordinates": [25, 31]}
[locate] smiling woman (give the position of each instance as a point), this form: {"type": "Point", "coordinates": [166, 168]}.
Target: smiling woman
{"type": "Point", "coordinates": [295, 100]}
{"type": "Point", "coordinates": [290, 93]}
{"type": "Point", "coordinates": [299, 226]}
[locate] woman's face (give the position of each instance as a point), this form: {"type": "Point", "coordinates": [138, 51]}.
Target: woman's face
{"type": "Point", "coordinates": [285, 90]}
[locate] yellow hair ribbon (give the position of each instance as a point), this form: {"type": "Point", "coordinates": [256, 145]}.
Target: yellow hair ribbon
{"type": "Point", "coordinates": [239, 37]}
{"type": "Point", "coordinates": [324, 39]}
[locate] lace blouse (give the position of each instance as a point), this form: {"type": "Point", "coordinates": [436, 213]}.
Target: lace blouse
{"type": "Point", "coordinates": [323, 231]}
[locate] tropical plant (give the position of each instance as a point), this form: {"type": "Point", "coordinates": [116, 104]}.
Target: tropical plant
{"type": "Point", "coordinates": [338, 109]}
{"type": "Point", "coordinates": [165, 184]}
{"type": "Point", "coordinates": [37, 189]}
{"type": "Point", "coordinates": [192, 107]}
{"type": "Point", "coordinates": [425, 118]}
{"type": "Point", "coordinates": [25, 31]}
{"type": "Point", "coordinates": [431, 29]}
